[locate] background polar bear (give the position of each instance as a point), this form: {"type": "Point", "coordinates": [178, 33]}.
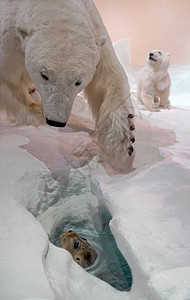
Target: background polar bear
{"type": "Point", "coordinates": [59, 48]}
{"type": "Point", "coordinates": [154, 83]}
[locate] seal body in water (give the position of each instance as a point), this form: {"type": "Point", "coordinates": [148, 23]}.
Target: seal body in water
{"type": "Point", "coordinates": [81, 251]}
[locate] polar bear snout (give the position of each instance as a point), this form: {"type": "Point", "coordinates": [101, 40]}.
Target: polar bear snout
{"type": "Point", "coordinates": [55, 123]}
{"type": "Point", "coordinates": [154, 56]}
{"type": "Point", "coordinates": [151, 56]}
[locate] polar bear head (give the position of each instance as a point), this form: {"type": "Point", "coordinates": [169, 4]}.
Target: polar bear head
{"type": "Point", "coordinates": [60, 65]}
{"type": "Point", "coordinates": [158, 59]}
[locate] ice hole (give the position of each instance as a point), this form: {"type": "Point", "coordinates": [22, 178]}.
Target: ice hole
{"type": "Point", "coordinates": [110, 264]}
{"type": "Point", "coordinates": [74, 202]}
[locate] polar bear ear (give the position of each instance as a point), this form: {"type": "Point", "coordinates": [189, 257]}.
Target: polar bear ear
{"type": "Point", "coordinates": [24, 33]}
{"type": "Point", "coordinates": [100, 41]}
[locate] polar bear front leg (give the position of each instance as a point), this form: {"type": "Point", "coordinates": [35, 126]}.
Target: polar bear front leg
{"type": "Point", "coordinates": [149, 102]}
{"type": "Point", "coordinates": [110, 101]}
{"type": "Point", "coordinates": [164, 99]}
{"type": "Point", "coordinates": [116, 132]}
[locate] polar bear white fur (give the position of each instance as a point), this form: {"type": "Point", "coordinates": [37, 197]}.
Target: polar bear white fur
{"type": "Point", "coordinates": [49, 52]}
{"type": "Point", "coordinates": [154, 83]}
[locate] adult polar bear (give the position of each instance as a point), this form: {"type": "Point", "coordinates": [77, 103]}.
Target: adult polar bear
{"type": "Point", "coordinates": [61, 47]}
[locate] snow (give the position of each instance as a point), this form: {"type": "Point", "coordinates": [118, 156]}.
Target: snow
{"type": "Point", "coordinates": [51, 176]}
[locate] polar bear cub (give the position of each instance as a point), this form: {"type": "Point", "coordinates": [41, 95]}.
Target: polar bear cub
{"type": "Point", "coordinates": [154, 82]}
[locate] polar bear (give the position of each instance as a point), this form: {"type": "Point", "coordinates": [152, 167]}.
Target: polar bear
{"type": "Point", "coordinates": [154, 83]}
{"type": "Point", "coordinates": [52, 50]}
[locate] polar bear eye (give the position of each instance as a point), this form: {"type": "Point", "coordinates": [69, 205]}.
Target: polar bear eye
{"type": "Point", "coordinates": [159, 52]}
{"type": "Point", "coordinates": [44, 76]}
{"type": "Point", "coordinates": [78, 83]}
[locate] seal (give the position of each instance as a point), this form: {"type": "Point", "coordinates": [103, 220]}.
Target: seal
{"type": "Point", "coordinates": [81, 251]}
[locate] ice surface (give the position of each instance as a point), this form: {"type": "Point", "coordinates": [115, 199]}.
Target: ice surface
{"type": "Point", "coordinates": [149, 207]}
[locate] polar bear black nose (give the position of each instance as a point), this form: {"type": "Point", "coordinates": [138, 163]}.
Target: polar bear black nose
{"type": "Point", "coordinates": [151, 54]}
{"type": "Point", "coordinates": [55, 123]}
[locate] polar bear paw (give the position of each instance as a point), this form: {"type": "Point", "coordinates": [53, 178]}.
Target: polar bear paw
{"type": "Point", "coordinates": [116, 134]}
{"type": "Point", "coordinates": [165, 106]}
